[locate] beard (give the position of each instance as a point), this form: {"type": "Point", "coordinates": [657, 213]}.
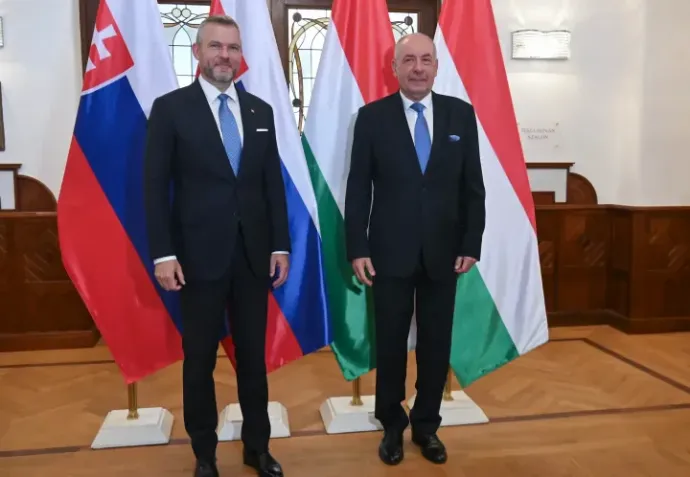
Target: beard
{"type": "Point", "coordinates": [221, 76]}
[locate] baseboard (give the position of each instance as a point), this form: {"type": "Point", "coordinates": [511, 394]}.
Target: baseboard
{"type": "Point", "coordinates": [580, 318]}
{"type": "Point", "coordinates": [661, 324]}
{"type": "Point", "coordinates": [48, 340]}
{"type": "Point", "coordinates": [666, 324]}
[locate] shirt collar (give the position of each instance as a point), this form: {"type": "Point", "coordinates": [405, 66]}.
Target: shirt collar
{"type": "Point", "coordinates": [426, 101]}
{"type": "Point", "coordinates": [212, 93]}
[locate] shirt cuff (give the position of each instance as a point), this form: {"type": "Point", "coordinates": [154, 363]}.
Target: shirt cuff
{"type": "Point", "coordinates": [164, 259]}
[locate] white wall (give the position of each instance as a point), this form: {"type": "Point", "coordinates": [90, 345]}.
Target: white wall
{"type": "Point", "coordinates": [621, 100]}
{"type": "Point", "coordinates": [595, 96]}
{"type": "Point", "coordinates": [665, 135]}
{"type": "Point", "coordinates": [40, 71]}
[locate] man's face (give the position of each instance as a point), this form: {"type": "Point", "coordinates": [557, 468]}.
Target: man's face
{"type": "Point", "coordinates": [219, 52]}
{"type": "Point", "coordinates": [415, 66]}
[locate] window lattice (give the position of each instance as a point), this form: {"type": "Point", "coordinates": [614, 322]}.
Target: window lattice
{"type": "Point", "coordinates": [181, 22]}
{"type": "Point", "coordinates": [307, 33]}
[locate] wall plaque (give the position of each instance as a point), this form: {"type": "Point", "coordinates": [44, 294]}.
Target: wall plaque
{"type": "Point", "coordinates": [541, 142]}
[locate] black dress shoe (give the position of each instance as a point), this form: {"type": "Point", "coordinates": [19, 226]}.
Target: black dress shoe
{"type": "Point", "coordinates": [391, 448]}
{"type": "Point", "coordinates": [263, 463]}
{"type": "Point", "coordinates": [432, 448]}
{"type": "Point", "coordinates": [205, 469]}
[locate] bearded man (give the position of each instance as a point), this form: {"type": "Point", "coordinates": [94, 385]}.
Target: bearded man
{"type": "Point", "coordinates": [218, 235]}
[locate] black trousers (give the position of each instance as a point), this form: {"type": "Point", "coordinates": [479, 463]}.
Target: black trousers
{"type": "Point", "coordinates": [203, 305]}
{"type": "Point", "coordinates": [394, 303]}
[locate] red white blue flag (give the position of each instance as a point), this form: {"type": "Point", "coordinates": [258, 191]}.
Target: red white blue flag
{"type": "Point", "coordinates": [100, 208]}
{"type": "Point", "coordinates": [298, 319]}
{"type": "Point", "coordinates": [101, 219]}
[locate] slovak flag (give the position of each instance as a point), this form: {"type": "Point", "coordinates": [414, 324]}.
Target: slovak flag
{"type": "Point", "coordinates": [101, 220]}
{"type": "Point", "coordinates": [298, 316]}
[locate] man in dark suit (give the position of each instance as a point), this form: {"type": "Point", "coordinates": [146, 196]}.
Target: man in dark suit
{"type": "Point", "coordinates": [219, 235]}
{"type": "Point", "coordinates": [420, 152]}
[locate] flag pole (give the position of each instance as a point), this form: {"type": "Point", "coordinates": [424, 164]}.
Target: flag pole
{"type": "Point", "coordinates": [132, 406]}
{"type": "Point", "coordinates": [447, 393]}
{"type": "Point", "coordinates": [356, 393]}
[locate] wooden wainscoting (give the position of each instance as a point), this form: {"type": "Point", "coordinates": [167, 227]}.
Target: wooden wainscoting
{"type": "Point", "coordinates": [624, 266]}
{"type": "Point", "coordinates": [39, 306]}
{"type": "Point", "coordinates": [628, 267]}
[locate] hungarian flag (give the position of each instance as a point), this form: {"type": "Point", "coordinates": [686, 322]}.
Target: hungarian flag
{"type": "Point", "coordinates": [298, 322]}
{"type": "Point", "coordinates": [500, 312]}
{"type": "Point", "coordinates": [355, 69]}
{"type": "Point", "coordinates": [101, 223]}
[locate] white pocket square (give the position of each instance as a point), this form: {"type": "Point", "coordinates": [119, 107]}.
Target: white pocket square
{"type": "Point", "coordinates": [453, 138]}
{"type": "Point", "coordinates": [262, 130]}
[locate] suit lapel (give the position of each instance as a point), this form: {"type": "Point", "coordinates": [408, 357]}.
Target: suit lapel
{"type": "Point", "coordinates": [249, 128]}
{"type": "Point", "coordinates": [400, 124]}
{"type": "Point", "coordinates": [208, 129]}
{"type": "Point", "coordinates": [440, 130]}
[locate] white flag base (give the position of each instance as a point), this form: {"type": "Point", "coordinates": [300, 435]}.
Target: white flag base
{"type": "Point", "coordinates": [230, 422]}
{"type": "Point", "coordinates": [459, 412]}
{"type": "Point", "coordinates": [152, 427]}
{"type": "Point", "coordinates": [340, 416]}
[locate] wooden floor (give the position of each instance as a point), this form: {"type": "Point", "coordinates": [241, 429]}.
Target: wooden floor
{"type": "Point", "coordinates": [592, 402]}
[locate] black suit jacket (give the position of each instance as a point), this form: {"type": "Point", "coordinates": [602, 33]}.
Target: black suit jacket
{"type": "Point", "coordinates": [439, 215]}
{"type": "Point", "coordinates": [195, 203]}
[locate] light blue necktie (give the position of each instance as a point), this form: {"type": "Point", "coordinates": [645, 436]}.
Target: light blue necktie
{"type": "Point", "coordinates": [422, 137]}
{"type": "Point", "coordinates": [230, 132]}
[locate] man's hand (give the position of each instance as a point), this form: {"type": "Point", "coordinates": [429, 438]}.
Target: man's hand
{"type": "Point", "coordinates": [464, 264]}
{"type": "Point", "coordinates": [361, 267]}
{"type": "Point", "coordinates": [280, 262]}
{"type": "Point", "coordinates": [169, 275]}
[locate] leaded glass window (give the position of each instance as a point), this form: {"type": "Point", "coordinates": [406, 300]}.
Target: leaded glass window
{"type": "Point", "coordinates": [307, 33]}
{"type": "Point", "coordinates": [181, 22]}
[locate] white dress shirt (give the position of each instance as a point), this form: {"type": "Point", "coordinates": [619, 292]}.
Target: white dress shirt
{"type": "Point", "coordinates": [212, 96]}
{"type": "Point", "coordinates": [411, 114]}
{"type": "Point", "coordinates": [212, 93]}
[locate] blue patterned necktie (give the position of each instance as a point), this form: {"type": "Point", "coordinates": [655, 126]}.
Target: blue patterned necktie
{"type": "Point", "coordinates": [230, 132]}
{"type": "Point", "coordinates": [422, 138]}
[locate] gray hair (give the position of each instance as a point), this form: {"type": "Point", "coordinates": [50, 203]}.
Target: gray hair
{"type": "Point", "coordinates": [224, 20]}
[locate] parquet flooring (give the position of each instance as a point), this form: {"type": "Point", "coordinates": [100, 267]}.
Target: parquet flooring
{"type": "Point", "coordinates": [592, 402]}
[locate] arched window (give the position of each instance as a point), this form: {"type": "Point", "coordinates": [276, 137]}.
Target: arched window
{"type": "Point", "coordinates": [181, 22]}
